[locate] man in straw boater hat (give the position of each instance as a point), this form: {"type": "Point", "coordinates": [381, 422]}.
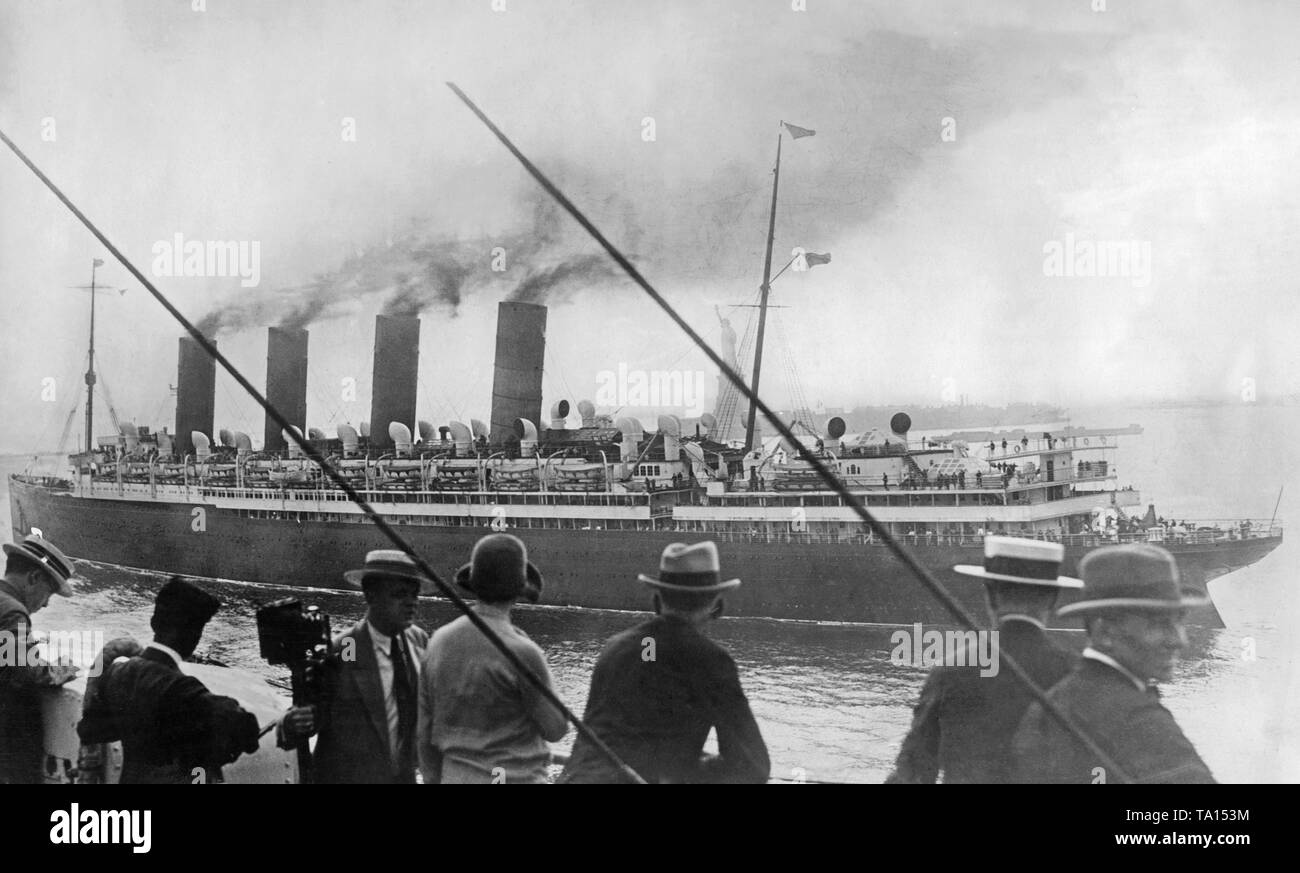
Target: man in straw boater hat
{"type": "Point", "coordinates": [173, 730]}
{"type": "Point", "coordinates": [658, 688]}
{"type": "Point", "coordinates": [967, 715]}
{"type": "Point", "coordinates": [1133, 609]}
{"type": "Point", "coordinates": [34, 571]}
{"type": "Point", "coordinates": [480, 721]}
{"type": "Point", "coordinates": [371, 700]}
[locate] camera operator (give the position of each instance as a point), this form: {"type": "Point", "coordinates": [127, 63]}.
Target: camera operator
{"type": "Point", "coordinates": [367, 715]}
{"type": "Point", "coordinates": [173, 730]}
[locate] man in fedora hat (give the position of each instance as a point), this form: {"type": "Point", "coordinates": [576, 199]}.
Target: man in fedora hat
{"type": "Point", "coordinates": [34, 571]}
{"type": "Point", "coordinates": [1133, 609]}
{"type": "Point", "coordinates": [964, 721]}
{"type": "Point", "coordinates": [368, 716]}
{"type": "Point", "coordinates": [173, 730]}
{"type": "Point", "coordinates": [480, 721]}
{"type": "Point", "coordinates": [658, 688]}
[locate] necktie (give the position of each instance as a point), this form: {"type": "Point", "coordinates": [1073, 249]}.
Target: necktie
{"type": "Point", "coordinates": [404, 690]}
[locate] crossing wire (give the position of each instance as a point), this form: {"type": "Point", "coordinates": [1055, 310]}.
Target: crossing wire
{"type": "Point", "coordinates": [343, 484]}
{"type": "Point", "coordinates": [1114, 771]}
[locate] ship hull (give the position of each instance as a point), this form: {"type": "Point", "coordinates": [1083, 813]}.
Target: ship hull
{"type": "Point", "coordinates": [848, 581]}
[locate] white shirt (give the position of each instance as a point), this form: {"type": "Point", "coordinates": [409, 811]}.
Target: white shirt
{"type": "Point", "coordinates": [383, 647]}
{"type": "Point", "coordinates": [1095, 655]}
{"type": "Point", "coordinates": [1020, 616]}
{"type": "Point", "coordinates": [168, 651]}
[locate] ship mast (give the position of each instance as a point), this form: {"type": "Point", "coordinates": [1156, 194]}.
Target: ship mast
{"type": "Point", "coordinates": [90, 366]}
{"type": "Point", "coordinates": [762, 307]}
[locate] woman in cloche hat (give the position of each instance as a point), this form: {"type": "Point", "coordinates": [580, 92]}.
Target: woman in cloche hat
{"type": "Point", "coordinates": [480, 721]}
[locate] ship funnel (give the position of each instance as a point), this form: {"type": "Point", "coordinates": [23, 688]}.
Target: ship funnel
{"type": "Point", "coordinates": [428, 433]}
{"type": "Point", "coordinates": [559, 415]}
{"type": "Point", "coordinates": [400, 434]}
{"type": "Point", "coordinates": [196, 389]}
{"type": "Point", "coordinates": [363, 429]}
{"type": "Point", "coordinates": [349, 437]}
{"type": "Point", "coordinates": [393, 379]}
{"type": "Point", "coordinates": [517, 380]}
{"type": "Point", "coordinates": [315, 433]}
{"type": "Point", "coordinates": [587, 410]}
{"type": "Point", "coordinates": [461, 438]}
{"type": "Point", "coordinates": [202, 445]}
{"type": "Point", "coordinates": [130, 437]}
{"type": "Point", "coordinates": [670, 428]}
{"type": "Point", "coordinates": [286, 383]}
{"type": "Point", "coordinates": [834, 430]}
{"type": "Point", "coordinates": [243, 445]}
{"type": "Point", "coordinates": [632, 433]}
{"type": "Point", "coordinates": [294, 451]}
{"type": "Point", "coordinates": [900, 424]}
{"type": "Point", "coordinates": [527, 433]}
{"type": "Point", "coordinates": [478, 428]}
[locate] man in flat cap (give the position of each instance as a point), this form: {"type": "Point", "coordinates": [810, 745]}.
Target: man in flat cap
{"type": "Point", "coordinates": [480, 721]}
{"type": "Point", "coordinates": [173, 730]}
{"type": "Point", "coordinates": [367, 719]}
{"type": "Point", "coordinates": [1133, 610]}
{"type": "Point", "coordinates": [967, 715]}
{"type": "Point", "coordinates": [658, 688]}
{"type": "Point", "coordinates": [34, 571]}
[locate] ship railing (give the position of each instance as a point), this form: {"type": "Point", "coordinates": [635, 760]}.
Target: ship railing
{"type": "Point", "coordinates": [1019, 448]}
{"type": "Point", "coordinates": [465, 496]}
{"type": "Point", "coordinates": [892, 450]}
{"type": "Point", "coordinates": [994, 483]}
{"type": "Point", "coordinates": [46, 481]}
{"type": "Point", "coordinates": [855, 535]}
{"type": "Point", "coordinates": [1193, 533]}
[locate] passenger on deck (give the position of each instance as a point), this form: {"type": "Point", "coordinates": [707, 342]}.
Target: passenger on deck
{"type": "Point", "coordinates": [1133, 610]}
{"type": "Point", "coordinates": [173, 730]}
{"type": "Point", "coordinates": [367, 726]}
{"type": "Point", "coordinates": [34, 572]}
{"type": "Point", "coordinates": [965, 719]}
{"type": "Point", "coordinates": [480, 721]}
{"type": "Point", "coordinates": [659, 688]}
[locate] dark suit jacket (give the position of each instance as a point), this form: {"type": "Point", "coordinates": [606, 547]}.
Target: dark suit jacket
{"type": "Point", "coordinates": [22, 738]}
{"type": "Point", "coordinates": [169, 723]}
{"type": "Point", "coordinates": [656, 712]}
{"type": "Point", "coordinates": [1130, 725]}
{"type": "Point", "coordinates": [964, 722]}
{"type": "Point", "coordinates": [353, 743]}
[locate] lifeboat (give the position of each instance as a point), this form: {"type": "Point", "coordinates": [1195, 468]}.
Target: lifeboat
{"type": "Point", "coordinates": [579, 476]}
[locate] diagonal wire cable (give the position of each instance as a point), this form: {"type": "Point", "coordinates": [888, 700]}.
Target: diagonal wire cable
{"type": "Point", "coordinates": [343, 484]}
{"type": "Point", "coordinates": [832, 482]}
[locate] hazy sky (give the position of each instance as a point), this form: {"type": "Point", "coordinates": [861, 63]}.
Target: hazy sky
{"type": "Point", "coordinates": [1172, 126]}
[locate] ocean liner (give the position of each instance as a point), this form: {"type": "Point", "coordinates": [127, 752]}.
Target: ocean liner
{"type": "Point", "coordinates": [595, 497]}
